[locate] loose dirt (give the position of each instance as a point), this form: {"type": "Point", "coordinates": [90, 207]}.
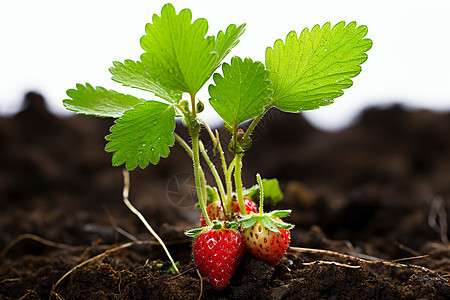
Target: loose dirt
{"type": "Point", "coordinates": [378, 190]}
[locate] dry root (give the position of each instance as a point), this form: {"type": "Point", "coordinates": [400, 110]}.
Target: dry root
{"type": "Point", "coordinates": [362, 261]}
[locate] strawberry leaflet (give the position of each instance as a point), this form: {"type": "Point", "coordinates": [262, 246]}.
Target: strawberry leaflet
{"type": "Point", "coordinates": [272, 192]}
{"type": "Point", "coordinates": [242, 92]}
{"type": "Point", "coordinates": [226, 41]}
{"type": "Point", "coordinates": [135, 75]}
{"type": "Point", "coordinates": [142, 134]}
{"type": "Point", "coordinates": [311, 70]}
{"type": "Point", "coordinates": [99, 101]}
{"type": "Point", "coordinates": [177, 53]}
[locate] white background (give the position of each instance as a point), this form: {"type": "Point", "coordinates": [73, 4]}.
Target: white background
{"type": "Point", "coordinates": [49, 46]}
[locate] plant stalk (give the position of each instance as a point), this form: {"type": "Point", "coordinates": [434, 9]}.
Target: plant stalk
{"type": "Point", "coordinates": [197, 174]}
{"type": "Point", "coordinates": [193, 108]}
{"type": "Point", "coordinates": [261, 194]}
{"type": "Point", "coordinates": [229, 184]}
{"type": "Point", "coordinates": [222, 156]}
{"type": "Point", "coordinates": [216, 176]}
{"type": "Point", "coordinates": [238, 182]}
{"type": "Point", "coordinates": [211, 134]}
{"type": "Point", "coordinates": [184, 144]}
{"type": "Point", "coordinates": [256, 120]}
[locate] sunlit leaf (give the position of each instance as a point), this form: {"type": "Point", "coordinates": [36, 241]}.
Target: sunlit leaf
{"type": "Point", "coordinates": [225, 41]}
{"type": "Point", "coordinates": [242, 92]}
{"type": "Point", "coordinates": [142, 134]}
{"type": "Point", "coordinates": [272, 192]}
{"type": "Point", "coordinates": [99, 101]}
{"type": "Point", "coordinates": [177, 52]}
{"type": "Point", "coordinates": [135, 75]}
{"type": "Point", "coordinates": [310, 70]}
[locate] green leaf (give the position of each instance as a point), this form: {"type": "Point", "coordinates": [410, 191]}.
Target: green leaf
{"type": "Point", "coordinates": [226, 41]}
{"type": "Point", "coordinates": [280, 213]}
{"type": "Point", "coordinates": [311, 70]}
{"type": "Point", "coordinates": [194, 233]}
{"type": "Point", "coordinates": [272, 192]}
{"type": "Point", "coordinates": [211, 194]}
{"type": "Point", "coordinates": [266, 220]}
{"type": "Point", "coordinates": [269, 224]}
{"type": "Point", "coordinates": [99, 101]}
{"type": "Point", "coordinates": [142, 134]}
{"type": "Point", "coordinates": [134, 74]}
{"type": "Point", "coordinates": [250, 221]}
{"type": "Point", "coordinates": [284, 225]}
{"type": "Point", "coordinates": [242, 92]}
{"type": "Point", "coordinates": [177, 53]}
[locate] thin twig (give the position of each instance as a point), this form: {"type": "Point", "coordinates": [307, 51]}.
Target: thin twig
{"type": "Point", "coordinates": [410, 258]}
{"type": "Point", "coordinates": [127, 234]}
{"type": "Point", "coordinates": [30, 236]}
{"type": "Point", "coordinates": [10, 280]}
{"type": "Point", "coordinates": [27, 295]}
{"type": "Point", "coordinates": [322, 262]}
{"type": "Point", "coordinates": [126, 188]}
{"type": "Point", "coordinates": [406, 248]}
{"type": "Point", "coordinates": [363, 261]}
{"type": "Point", "coordinates": [181, 274]}
{"type": "Point", "coordinates": [201, 285]}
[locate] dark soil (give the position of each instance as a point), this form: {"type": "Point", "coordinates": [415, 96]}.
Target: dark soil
{"type": "Point", "coordinates": [379, 190]}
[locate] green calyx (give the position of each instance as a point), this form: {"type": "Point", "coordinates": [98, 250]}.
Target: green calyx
{"type": "Point", "coordinates": [195, 232]}
{"type": "Point", "coordinates": [268, 220]}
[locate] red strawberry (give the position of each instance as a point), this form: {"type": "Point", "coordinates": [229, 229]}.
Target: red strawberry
{"type": "Point", "coordinates": [214, 211]}
{"type": "Point", "coordinates": [265, 244]}
{"type": "Point", "coordinates": [250, 206]}
{"type": "Point", "coordinates": [217, 253]}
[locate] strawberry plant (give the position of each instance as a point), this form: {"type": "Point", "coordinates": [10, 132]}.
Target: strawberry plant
{"type": "Point", "coordinates": [302, 72]}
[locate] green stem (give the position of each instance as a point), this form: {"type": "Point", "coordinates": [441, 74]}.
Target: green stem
{"type": "Point", "coordinates": [216, 141]}
{"type": "Point", "coordinates": [261, 194]}
{"type": "Point", "coordinates": [256, 120]}
{"type": "Point", "coordinates": [216, 176]}
{"type": "Point", "coordinates": [235, 129]}
{"type": "Point", "coordinates": [184, 144]}
{"type": "Point", "coordinates": [193, 108]}
{"type": "Point", "coordinates": [238, 182]}
{"type": "Point", "coordinates": [197, 173]}
{"type": "Point", "coordinates": [203, 185]}
{"type": "Point", "coordinates": [229, 184]}
{"type": "Point", "coordinates": [211, 134]}
{"type": "Point", "coordinates": [222, 155]}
